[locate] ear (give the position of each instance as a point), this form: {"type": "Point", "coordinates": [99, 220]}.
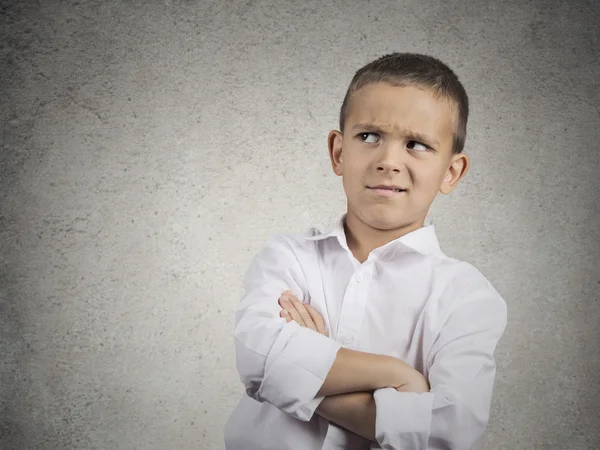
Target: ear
{"type": "Point", "coordinates": [458, 169]}
{"type": "Point", "coordinates": [334, 142]}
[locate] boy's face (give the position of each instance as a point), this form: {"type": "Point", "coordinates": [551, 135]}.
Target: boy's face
{"type": "Point", "coordinates": [400, 136]}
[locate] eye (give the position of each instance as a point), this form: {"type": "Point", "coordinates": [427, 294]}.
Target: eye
{"type": "Point", "coordinates": [369, 138]}
{"type": "Point", "coordinates": [413, 146]}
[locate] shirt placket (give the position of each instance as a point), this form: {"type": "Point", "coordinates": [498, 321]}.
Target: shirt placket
{"type": "Point", "coordinates": [353, 306]}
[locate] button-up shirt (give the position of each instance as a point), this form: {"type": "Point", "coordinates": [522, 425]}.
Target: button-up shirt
{"type": "Point", "coordinates": [408, 300]}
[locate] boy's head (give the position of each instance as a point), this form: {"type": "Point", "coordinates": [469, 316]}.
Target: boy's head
{"type": "Point", "coordinates": [412, 69]}
{"type": "Point", "coordinates": [402, 123]}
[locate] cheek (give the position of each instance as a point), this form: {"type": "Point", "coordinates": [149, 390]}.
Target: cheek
{"type": "Point", "coordinates": [353, 169]}
{"type": "Point", "coordinates": [352, 180]}
{"type": "Point", "coordinates": [427, 184]}
{"type": "Point", "coordinates": [429, 175]}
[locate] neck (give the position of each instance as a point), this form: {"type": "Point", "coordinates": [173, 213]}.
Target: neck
{"type": "Point", "coordinates": [362, 238]}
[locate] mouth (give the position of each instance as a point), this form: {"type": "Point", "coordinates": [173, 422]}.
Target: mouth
{"type": "Point", "coordinates": [386, 191]}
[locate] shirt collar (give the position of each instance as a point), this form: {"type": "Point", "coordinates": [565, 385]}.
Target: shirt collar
{"type": "Point", "coordinates": [422, 240]}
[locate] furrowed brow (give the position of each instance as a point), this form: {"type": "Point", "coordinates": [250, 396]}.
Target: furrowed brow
{"type": "Point", "coordinates": [414, 135]}
{"type": "Point", "coordinates": [421, 137]}
{"type": "Point", "coordinates": [366, 125]}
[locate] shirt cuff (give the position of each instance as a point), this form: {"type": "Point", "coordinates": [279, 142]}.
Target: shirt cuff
{"type": "Point", "coordinates": [294, 376]}
{"type": "Point", "coordinates": [403, 419]}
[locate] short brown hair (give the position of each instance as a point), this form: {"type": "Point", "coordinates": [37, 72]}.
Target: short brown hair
{"type": "Point", "coordinates": [413, 69]}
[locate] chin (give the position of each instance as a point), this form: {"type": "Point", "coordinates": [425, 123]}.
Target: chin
{"type": "Point", "coordinates": [385, 220]}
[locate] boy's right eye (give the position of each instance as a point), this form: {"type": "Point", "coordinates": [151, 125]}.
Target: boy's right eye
{"type": "Point", "coordinates": [366, 136]}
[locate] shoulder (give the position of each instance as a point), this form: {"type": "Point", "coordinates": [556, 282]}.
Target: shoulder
{"type": "Point", "coordinates": [296, 241]}
{"type": "Point", "coordinates": [296, 246]}
{"type": "Point", "coordinates": [466, 284]}
{"type": "Point", "coordinates": [293, 241]}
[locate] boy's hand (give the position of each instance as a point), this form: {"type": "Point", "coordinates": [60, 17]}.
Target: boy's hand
{"type": "Point", "coordinates": [304, 315]}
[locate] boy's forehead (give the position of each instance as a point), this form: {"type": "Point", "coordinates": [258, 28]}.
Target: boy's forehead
{"type": "Point", "coordinates": [407, 107]}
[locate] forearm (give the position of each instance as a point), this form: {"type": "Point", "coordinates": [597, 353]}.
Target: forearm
{"type": "Point", "coordinates": [355, 371]}
{"type": "Point", "coordinates": [355, 412]}
{"type": "Point", "coordinates": [348, 387]}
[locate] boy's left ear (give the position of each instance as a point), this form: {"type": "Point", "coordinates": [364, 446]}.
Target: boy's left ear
{"type": "Point", "coordinates": [458, 169]}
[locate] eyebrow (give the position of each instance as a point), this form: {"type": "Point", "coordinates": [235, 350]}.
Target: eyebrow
{"type": "Point", "coordinates": [417, 136]}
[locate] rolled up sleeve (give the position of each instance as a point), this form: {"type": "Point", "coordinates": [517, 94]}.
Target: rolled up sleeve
{"type": "Point", "coordinates": [279, 363]}
{"type": "Point", "coordinates": [462, 368]}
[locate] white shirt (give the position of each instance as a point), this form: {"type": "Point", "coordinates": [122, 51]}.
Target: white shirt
{"type": "Point", "coordinates": [407, 300]}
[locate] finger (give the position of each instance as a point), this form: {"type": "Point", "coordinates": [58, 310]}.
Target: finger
{"type": "Point", "coordinates": [286, 315]}
{"type": "Point", "coordinates": [289, 307]}
{"type": "Point", "coordinates": [300, 307]}
{"type": "Point", "coordinates": [317, 319]}
{"type": "Point", "coordinates": [315, 316]}
{"type": "Point", "coordinates": [285, 304]}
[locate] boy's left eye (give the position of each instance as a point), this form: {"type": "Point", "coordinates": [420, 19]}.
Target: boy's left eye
{"type": "Point", "coordinates": [413, 144]}
{"type": "Point", "coordinates": [365, 137]}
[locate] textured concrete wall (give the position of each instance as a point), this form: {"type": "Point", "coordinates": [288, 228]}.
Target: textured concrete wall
{"type": "Point", "coordinates": [150, 148]}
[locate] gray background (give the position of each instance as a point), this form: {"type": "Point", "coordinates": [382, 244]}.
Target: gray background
{"type": "Point", "coordinates": [150, 148]}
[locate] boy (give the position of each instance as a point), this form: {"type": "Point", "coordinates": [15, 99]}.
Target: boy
{"type": "Point", "coordinates": [368, 336]}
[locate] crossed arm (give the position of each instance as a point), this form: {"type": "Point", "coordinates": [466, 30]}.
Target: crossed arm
{"type": "Point", "coordinates": [296, 368]}
{"type": "Point", "coordinates": [349, 385]}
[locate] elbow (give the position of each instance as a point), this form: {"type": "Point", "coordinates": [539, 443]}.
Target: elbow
{"type": "Point", "coordinates": [254, 342]}
{"type": "Point", "coordinates": [460, 424]}
{"type": "Point", "coordinates": [250, 367]}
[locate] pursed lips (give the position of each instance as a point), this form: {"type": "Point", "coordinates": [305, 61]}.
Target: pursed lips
{"type": "Point", "coordinates": [383, 187]}
{"type": "Point", "coordinates": [386, 191]}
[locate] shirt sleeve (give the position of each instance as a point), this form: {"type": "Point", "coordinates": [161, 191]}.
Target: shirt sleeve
{"type": "Point", "coordinates": [280, 363]}
{"type": "Point", "coordinates": [454, 414]}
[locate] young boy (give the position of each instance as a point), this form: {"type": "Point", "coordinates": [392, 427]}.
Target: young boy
{"type": "Point", "coordinates": [368, 336]}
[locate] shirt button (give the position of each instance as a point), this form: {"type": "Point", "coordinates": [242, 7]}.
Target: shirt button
{"type": "Point", "coordinates": [347, 339]}
{"type": "Point", "coordinates": [359, 278]}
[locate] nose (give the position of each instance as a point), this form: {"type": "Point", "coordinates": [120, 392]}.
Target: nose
{"type": "Point", "coordinates": [391, 160]}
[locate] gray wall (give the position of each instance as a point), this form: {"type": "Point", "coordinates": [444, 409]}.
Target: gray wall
{"type": "Point", "coordinates": [149, 150]}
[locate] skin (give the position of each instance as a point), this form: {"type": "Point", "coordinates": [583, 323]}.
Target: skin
{"type": "Point", "coordinates": [392, 135]}
{"type": "Point", "coordinates": [348, 388]}
{"type": "Point", "coordinates": [379, 145]}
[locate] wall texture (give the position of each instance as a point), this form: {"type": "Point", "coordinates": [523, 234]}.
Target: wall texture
{"type": "Point", "coordinates": [150, 148]}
